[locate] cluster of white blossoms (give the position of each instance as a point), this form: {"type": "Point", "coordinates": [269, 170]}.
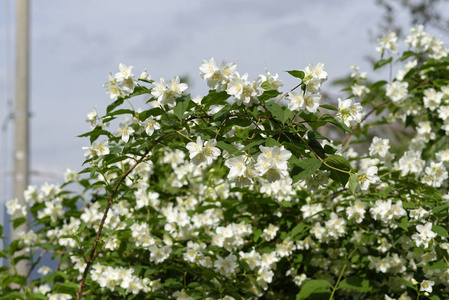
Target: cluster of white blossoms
{"type": "Point", "coordinates": [166, 93]}
{"type": "Point", "coordinates": [386, 211]}
{"type": "Point", "coordinates": [203, 153]}
{"type": "Point", "coordinates": [425, 42]}
{"type": "Point", "coordinates": [308, 100]}
{"type": "Point", "coordinates": [424, 235]}
{"type": "Point", "coordinates": [397, 91]}
{"type": "Point", "coordinates": [112, 278]}
{"type": "Point", "coordinates": [349, 112]}
{"type": "Point", "coordinates": [226, 78]}
{"type": "Point", "coordinates": [122, 83]}
{"type": "Point", "coordinates": [388, 42]}
{"type": "Point", "coordinates": [272, 163]}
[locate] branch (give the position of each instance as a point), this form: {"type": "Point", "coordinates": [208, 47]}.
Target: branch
{"type": "Point", "coordinates": [110, 199]}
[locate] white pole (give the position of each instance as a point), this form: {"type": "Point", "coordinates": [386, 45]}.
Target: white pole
{"type": "Point", "coordinates": [21, 114]}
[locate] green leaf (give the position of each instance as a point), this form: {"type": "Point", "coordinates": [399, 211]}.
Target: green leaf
{"type": "Point", "coordinates": [382, 63]}
{"type": "Point", "coordinates": [334, 121]}
{"type": "Point", "coordinates": [439, 209]}
{"type": "Point", "coordinates": [408, 283]}
{"type": "Point", "coordinates": [222, 114]}
{"type": "Point", "coordinates": [353, 183]}
{"type": "Point", "coordinates": [297, 230]}
{"type": "Point", "coordinates": [315, 145]}
{"type": "Point", "coordinates": [310, 287]}
{"type": "Point", "coordinates": [378, 84]}
{"type": "Point", "coordinates": [12, 295]}
{"type": "Point", "coordinates": [181, 107]}
{"type": "Point", "coordinates": [431, 193]}
{"type": "Point", "coordinates": [214, 98]}
{"type": "Point", "coordinates": [271, 143]}
{"type": "Point", "coordinates": [19, 221]}
{"type": "Point", "coordinates": [266, 85]}
{"type": "Point", "coordinates": [227, 147]}
{"type": "Point", "coordinates": [441, 231]}
{"type": "Point", "coordinates": [114, 104]}
{"type": "Point", "coordinates": [267, 95]}
{"type": "Point", "coordinates": [297, 74]}
{"type": "Point", "coordinates": [305, 168]}
{"type": "Point", "coordinates": [121, 112]}
{"type": "Point", "coordinates": [67, 287]}
{"type": "Point", "coordinates": [406, 55]}
{"type": "Point", "coordinates": [356, 283]}
{"type": "Point", "coordinates": [340, 163]}
{"type": "Point", "coordinates": [329, 107]}
{"type": "Point", "coordinates": [436, 265]}
{"type": "Point", "coordinates": [403, 223]}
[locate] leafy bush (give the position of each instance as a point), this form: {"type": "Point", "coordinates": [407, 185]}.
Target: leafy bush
{"type": "Point", "coordinates": [240, 195]}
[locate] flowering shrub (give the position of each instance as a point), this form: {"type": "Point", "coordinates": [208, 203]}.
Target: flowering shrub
{"type": "Point", "coordinates": [240, 195]}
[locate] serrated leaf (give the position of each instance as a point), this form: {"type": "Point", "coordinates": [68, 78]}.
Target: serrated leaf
{"type": "Point", "coordinates": [297, 74]}
{"type": "Point", "coordinates": [181, 106]}
{"type": "Point", "coordinates": [441, 231]}
{"type": "Point", "coordinates": [353, 183]}
{"type": "Point", "coordinates": [310, 287]}
{"type": "Point", "coordinates": [382, 63]}
{"type": "Point", "coordinates": [356, 283]}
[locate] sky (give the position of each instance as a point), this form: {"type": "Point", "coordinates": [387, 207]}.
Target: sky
{"type": "Point", "coordinates": [74, 44]}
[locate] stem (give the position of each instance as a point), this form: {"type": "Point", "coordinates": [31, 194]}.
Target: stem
{"type": "Point", "coordinates": [317, 156]}
{"type": "Point", "coordinates": [289, 92]}
{"type": "Point", "coordinates": [341, 275]}
{"type": "Point", "coordinates": [110, 199]}
{"type": "Point", "coordinates": [135, 113]}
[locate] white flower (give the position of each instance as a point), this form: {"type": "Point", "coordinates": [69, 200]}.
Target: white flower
{"type": "Point", "coordinates": [124, 131]}
{"type": "Point", "coordinates": [203, 153]}
{"type": "Point", "coordinates": [92, 118]}
{"type": "Point", "coordinates": [397, 91]}
{"type": "Point", "coordinates": [270, 232]}
{"type": "Point", "coordinates": [388, 42]}
{"type": "Point", "coordinates": [356, 211]}
{"type": "Point", "coordinates": [349, 112]}
{"type": "Point", "coordinates": [150, 125]}
{"type": "Point", "coordinates": [14, 209]}
{"type": "Point", "coordinates": [426, 286]}
{"type": "Point", "coordinates": [317, 72]}
{"type": "Point", "coordinates": [226, 266]}
{"type": "Point", "coordinates": [379, 147]}
{"type": "Point", "coordinates": [432, 99]}
{"type": "Point", "coordinates": [367, 177]}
